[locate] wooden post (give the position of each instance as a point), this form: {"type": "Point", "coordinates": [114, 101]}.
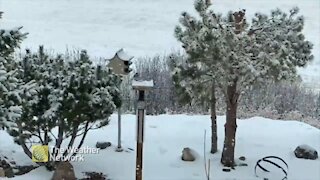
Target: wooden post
{"type": "Point", "coordinates": [141, 87]}
{"type": "Point", "coordinates": [140, 134]}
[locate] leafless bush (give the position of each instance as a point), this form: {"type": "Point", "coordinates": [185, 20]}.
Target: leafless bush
{"type": "Point", "coordinates": [282, 100]}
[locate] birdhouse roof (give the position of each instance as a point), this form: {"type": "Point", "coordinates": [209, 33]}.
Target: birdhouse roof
{"type": "Point", "coordinates": [123, 55]}
{"type": "Point", "coordinates": [142, 84]}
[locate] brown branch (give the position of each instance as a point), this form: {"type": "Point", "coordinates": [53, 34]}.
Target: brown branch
{"type": "Point", "coordinates": [73, 137]}
{"type": "Point", "coordinates": [83, 137]}
{"type": "Point", "coordinates": [252, 31]}
{"type": "Point", "coordinates": [46, 137]}
{"type": "Point", "coordinates": [22, 142]}
{"type": "Point", "coordinates": [39, 135]}
{"type": "Point", "coordinates": [59, 139]}
{"type": "Point", "coordinates": [53, 135]}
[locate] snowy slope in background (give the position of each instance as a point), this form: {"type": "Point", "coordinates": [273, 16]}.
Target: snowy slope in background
{"type": "Point", "coordinates": [142, 27]}
{"type": "Point", "coordinates": [167, 135]}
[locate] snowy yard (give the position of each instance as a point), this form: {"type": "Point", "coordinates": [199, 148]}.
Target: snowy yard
{"type": "Point", "coordinates": [167, 135]}
{"type": "Point", "coordinates": [146, 28]}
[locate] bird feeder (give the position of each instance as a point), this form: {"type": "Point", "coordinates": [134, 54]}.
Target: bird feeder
{"type": "Point", "coordinates": [141, 87]}
{"type": "Point", "coordinates": [120, 63]}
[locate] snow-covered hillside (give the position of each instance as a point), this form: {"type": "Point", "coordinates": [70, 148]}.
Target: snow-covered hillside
{"type": "Point", "coordinates": [167, 135]}
{"type": "Point", "coordinates": [143, 27]}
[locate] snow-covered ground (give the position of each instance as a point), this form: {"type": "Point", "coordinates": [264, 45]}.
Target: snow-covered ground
{"type": "Point", "coordinates": [167, 135]}
{"type": "Point", "coordinates": [142, 27]}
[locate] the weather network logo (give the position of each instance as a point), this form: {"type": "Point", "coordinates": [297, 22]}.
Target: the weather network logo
{"type": "Point", "coordinates": [40, 153]}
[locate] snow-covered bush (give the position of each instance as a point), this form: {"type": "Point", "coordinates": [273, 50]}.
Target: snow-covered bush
{"type": "Point", "coordinates": [71, 94]}
{"type": "Point", "coordinates": [10, 110]}
{"type": "Point", "coordinates": [280, 98]}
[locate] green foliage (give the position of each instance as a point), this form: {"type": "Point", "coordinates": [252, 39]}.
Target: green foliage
{"type": "Point", "coordinates": [230, 50]}
{"type": "Point", "coordinates": [9, 92]}
{"type": "Point", "coordinates": [67, 93]}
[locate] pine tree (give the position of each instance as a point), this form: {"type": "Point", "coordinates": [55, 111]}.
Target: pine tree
{"type": "Point", "coordinates": [193, 87]}
{"type": "Point", "coordinates": [236, 54]}
{"type": "Point", "coordinates": [9, 94]}
{"type": "Point", "coordinates": [73, 95]}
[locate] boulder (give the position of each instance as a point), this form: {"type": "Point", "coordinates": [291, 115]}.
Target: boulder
{"type": "Point", "coordinates": [306, 152]}
{"type": "Point", "coordinates": [242, 158]}
{"type": "Point", "coordinates": [20, 170]}
{"type": "Point", "coordinates": [64, 170]}
{"type": "Point", "coordinates": [188, 154]}
{"type": "Point", "coordinates": [103, 145]}
{"type": "Point", "coordinates": [242, 164]}
{"type": "Point", "coordinates": [4, 164]}
{"type": "Point", "coordinates": [9, 172]}
{"type": "Point", "coordinates": [7, 169]}
{"type": "Point", "coordinates": [94, 176]}
{"type": "Point", "coordinates": [226, 170]}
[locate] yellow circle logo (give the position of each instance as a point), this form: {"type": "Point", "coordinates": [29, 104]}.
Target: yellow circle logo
{"type": "Point", "coordinates": [40, 153]}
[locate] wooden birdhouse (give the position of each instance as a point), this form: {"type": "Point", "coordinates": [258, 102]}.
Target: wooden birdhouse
{"type": "Point", "coordinates": [120, 63]}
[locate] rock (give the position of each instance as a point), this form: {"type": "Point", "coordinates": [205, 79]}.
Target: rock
{"type": "Point", "coordinates": [306, 152]}
{"type": "Point", "coordinates": [188, 154]}
{"type": "Point", "coordinates": [20, 170]}
{"type": "Point", "coordinates": [103, 145]}
{"type": "Point", "coordinates": [242, 164]}
{"type": "Point", "coordinates": [242, 158]}
{"type": "Point", "coordinates": [2, 173]}
{"type": "Point", "coordinates": [94, 176]}
{"type": "Point", "coordinates": [6, 167]}
{"type": "Point", "coordinates": [226, 170]}
{"type": "Point", "coordinates": [4, 164]}
{"type": "Point", "coordinates": [9, 172]}
{"type": "Point", "coordinates": [64, 171]}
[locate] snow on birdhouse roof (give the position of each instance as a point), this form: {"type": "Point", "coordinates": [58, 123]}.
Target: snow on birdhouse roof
{"type": "Point", "coordinates": [123, 55]}
{"type": "Point", "coordinates": [142, 84]}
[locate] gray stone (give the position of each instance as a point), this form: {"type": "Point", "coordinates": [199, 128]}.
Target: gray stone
{"type": "Point", "coordinates": [226, 170]}
{"type": "Point", "coordinates": [7, 169]}
{"type": "Point", "coordinates": [9, 172]}
{"type": "Point", "coordinates": [4, 164]}
{"type": "Point", "coordinates": [188, 154]}
{"type": "Point", "coordinates": [20, 170]}
{"type": "Point", "coordinates": [103, 145]}
{"type": "Point", "coordinates": [242, 158]}
{"type": "Point", "coordinates": [242, 164]}
{"type": "Point", "coordinates": [306, 152]}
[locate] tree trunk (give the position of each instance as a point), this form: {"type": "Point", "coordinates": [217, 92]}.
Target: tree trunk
{"type": "Point", "coordinates": [214, 138]}
{"type": "Point", "coordinates": [86, 130]}
{"type": "Point", "coordinates": [227, 158]}
{"type": "Point", "coordinates": [60, 137]}
{"type": "Point", "coordinates": [73, 138]}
